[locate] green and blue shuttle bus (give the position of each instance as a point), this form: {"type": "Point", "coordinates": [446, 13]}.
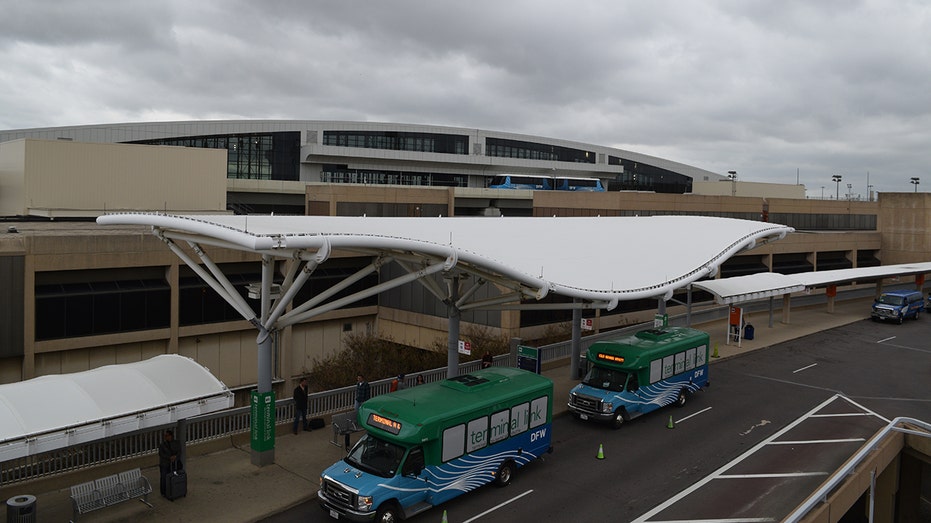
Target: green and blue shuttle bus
{"type": "Point", "coordinates": [428, 444]}
{"type": "Point", "coordinates": [631, 376]}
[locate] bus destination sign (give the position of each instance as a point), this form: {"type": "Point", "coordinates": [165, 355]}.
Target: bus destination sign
{"type": "Point", "coordinates": [386, 424]}
{"type": "Point", "coordinates": [610, 357]}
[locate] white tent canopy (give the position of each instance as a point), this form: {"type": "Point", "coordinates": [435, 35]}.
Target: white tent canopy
{"type": "Point", "coordinates": [600, 259]}
{"type": "Point", "coordinates": [766, 284]}
{"type": "Point", "coordinates": [56, 411]}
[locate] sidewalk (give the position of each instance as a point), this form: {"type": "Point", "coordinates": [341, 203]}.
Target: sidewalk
{"type": "Point", "coordinates": [223, 485]}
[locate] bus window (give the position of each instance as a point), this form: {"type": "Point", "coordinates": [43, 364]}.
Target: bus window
{"type": "Point", "coordinates": [538, 409]}
{"type": "Point", "coordinates": [519, 418]}
{"type": "Point", "coordinates": [633, 383]}
{"type": "Point", "coordinates": [668, 363]}
{"type": "Point", "coordinates": [499, 426]}
{"type": "Point", "coordinates": [606, 379]}
{"type": "Point", "coordinates": [453, 442]}
{"type": "Point", "coordinates": [415, 462]}
{"type": "Point", "coordinates": [701, 355]}
{"type": "Point", "coordinates": [690, 359]}
{"type": "Point", "coordinates": [376, 455]}
{"type": "Point", "coordinates": [680, 362]}
{"type": "Point", "coordinates": [477, 430]}
{"type": "Point", "coordinates": [656, 370]}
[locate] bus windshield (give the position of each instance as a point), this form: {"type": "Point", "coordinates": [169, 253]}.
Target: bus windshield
{"type": "Point", "coordinates": [607, 379]}
{"type": "Point", "coordinates": [376, 456]}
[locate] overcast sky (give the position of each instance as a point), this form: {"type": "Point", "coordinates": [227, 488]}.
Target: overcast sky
{"type": "Point", "coordinates": [779, 91]}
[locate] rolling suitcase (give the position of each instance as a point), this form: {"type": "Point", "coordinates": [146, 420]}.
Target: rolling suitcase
{"type": "Point", "coordinates": [315, 423]}
{"type": "Point", "coordinates": [176, 484]}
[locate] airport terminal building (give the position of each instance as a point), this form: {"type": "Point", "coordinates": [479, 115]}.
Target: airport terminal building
{"type": "Point", "coordinates": [82, 296]}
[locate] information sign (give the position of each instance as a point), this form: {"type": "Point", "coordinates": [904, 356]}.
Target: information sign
{"type": "Point", "coordinates": [263, 421]}
{"type": "Point", "coordinates": [528, 358]}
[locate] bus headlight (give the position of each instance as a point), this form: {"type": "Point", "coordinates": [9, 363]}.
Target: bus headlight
{"type": "Point", "coordinates": [607, 407]}
{"type": "Point", "coordinates": [364, 503]}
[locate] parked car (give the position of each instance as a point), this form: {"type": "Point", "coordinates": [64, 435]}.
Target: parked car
{"type": "Point", "coordinates": [898, 305]}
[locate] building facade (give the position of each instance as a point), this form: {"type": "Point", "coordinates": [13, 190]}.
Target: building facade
{"type": "Point", "coordinates": [82, 296]}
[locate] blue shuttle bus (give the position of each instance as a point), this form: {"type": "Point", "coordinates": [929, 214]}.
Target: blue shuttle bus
{"type": "Point", "coordinates": [641, 373]}
{"type": "Point", "coordinates": [428, 444]}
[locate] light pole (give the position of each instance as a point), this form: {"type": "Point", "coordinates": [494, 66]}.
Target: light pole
{"type": "Point", "coordinates": [836, 179]}
{"type": "Point", "coordinates": [914, 181]}
{"type": "Point", "coordinates": [822, 192]}
{"type": "Point", "coordinates": [733, 176]}
{"type": "Point", "coordinates": [869, 192]}
{"type": "Point", "coordinates": [850, 191]}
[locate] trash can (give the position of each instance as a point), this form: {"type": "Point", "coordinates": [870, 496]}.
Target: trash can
{"type": "Point", "coordinates": [748, 332]}
{"type": "Point", "coordinates": [21, 509]}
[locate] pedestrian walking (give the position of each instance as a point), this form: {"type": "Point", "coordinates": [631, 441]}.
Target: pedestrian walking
{"type": "Point", "coordinates": [300, 406]}
{"type": "Point", "coordinates": [363, 391]}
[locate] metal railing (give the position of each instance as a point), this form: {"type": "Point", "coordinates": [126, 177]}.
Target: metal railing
{"type": "Point", "coordinates": [821, 495]}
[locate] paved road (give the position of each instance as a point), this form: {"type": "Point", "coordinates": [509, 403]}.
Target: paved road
{"type": "Point", "coordinates": [752, 442]}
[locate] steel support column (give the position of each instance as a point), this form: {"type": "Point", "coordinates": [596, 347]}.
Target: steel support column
{"type": "Point", "coordinates": [575, 366]}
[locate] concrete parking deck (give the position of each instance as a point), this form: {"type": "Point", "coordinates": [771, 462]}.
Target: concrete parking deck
{"type": "Point", "coordinates": [223, 485]}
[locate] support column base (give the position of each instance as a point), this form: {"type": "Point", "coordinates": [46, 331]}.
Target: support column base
{"type": "Point", "coordinates": [263, 458]}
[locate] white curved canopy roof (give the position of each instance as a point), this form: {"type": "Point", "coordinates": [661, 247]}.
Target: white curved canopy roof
{"type": "Point", "coordinates": [601, 259]}
{"type": "Point", "coordinates": [765, 284]}
{"type": "Point", "coordinates": [55, 411]}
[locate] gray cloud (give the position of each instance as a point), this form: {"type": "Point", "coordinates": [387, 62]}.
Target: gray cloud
{"type": "Point", "coordinates": [773, 90]}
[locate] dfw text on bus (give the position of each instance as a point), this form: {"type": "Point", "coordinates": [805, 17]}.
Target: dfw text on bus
{"type": "Point", "coordinates": [641, 373]}
{"type": "Point", "coordinates": [428, 444]}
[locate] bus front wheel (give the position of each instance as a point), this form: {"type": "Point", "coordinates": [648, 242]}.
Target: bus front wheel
{"type": "Point", "coordinates": [387, 513]}
{"type": "Point", "coordinates": [618, 419]}
{"type": "Point", "coordinates": [505, 472]}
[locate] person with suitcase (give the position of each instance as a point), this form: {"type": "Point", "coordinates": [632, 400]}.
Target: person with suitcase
{"type": "Point", "coordinates": [169, 461]}
{"type": "Point", "coordinates": [300, 406]}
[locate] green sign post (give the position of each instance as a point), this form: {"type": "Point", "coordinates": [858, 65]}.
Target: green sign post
{"type": "Point", "coordinates": [528, 358]}
{"type": "Point", "coordinates": [660, 321]}
{"type": "Point", "coordinates": [263, 421]}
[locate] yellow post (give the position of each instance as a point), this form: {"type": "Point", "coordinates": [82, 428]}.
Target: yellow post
{"type": "Point", "coordinates": [715, 353]}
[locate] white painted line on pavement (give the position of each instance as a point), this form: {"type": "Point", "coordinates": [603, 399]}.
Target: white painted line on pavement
{"type": "Point", "coordinates": [779, 475]}
{"type": "Point", "coordinates": [843, 414]}
{"type": "Point", "coordinates": [803, 368]}
{"type": "Point", "coordinates": [809, 442]}
{"type": "Point", "coordinates": [697, 485]}
{"type": "Point", "coordinates": [693, 415]}
{"type": "Point", "coordinates": [496, 507]}
{"type": "Point", "coordinates": [886, 339]}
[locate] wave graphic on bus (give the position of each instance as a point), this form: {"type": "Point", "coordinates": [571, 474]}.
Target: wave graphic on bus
{"type": "Point", "coordinates": [477, 469]}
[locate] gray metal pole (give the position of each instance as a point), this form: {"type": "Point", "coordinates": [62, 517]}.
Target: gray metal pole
{"type": "Point", "coordinates": [771, 309]}
{"type": "Point", "coordinates": [264, 456]}
{"type": "Point", "coordinates": [576, 347]}
{"type": "Point", "coordinates": [264, 342]}
{"type": "Point", "coordinates": [452, 354]}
